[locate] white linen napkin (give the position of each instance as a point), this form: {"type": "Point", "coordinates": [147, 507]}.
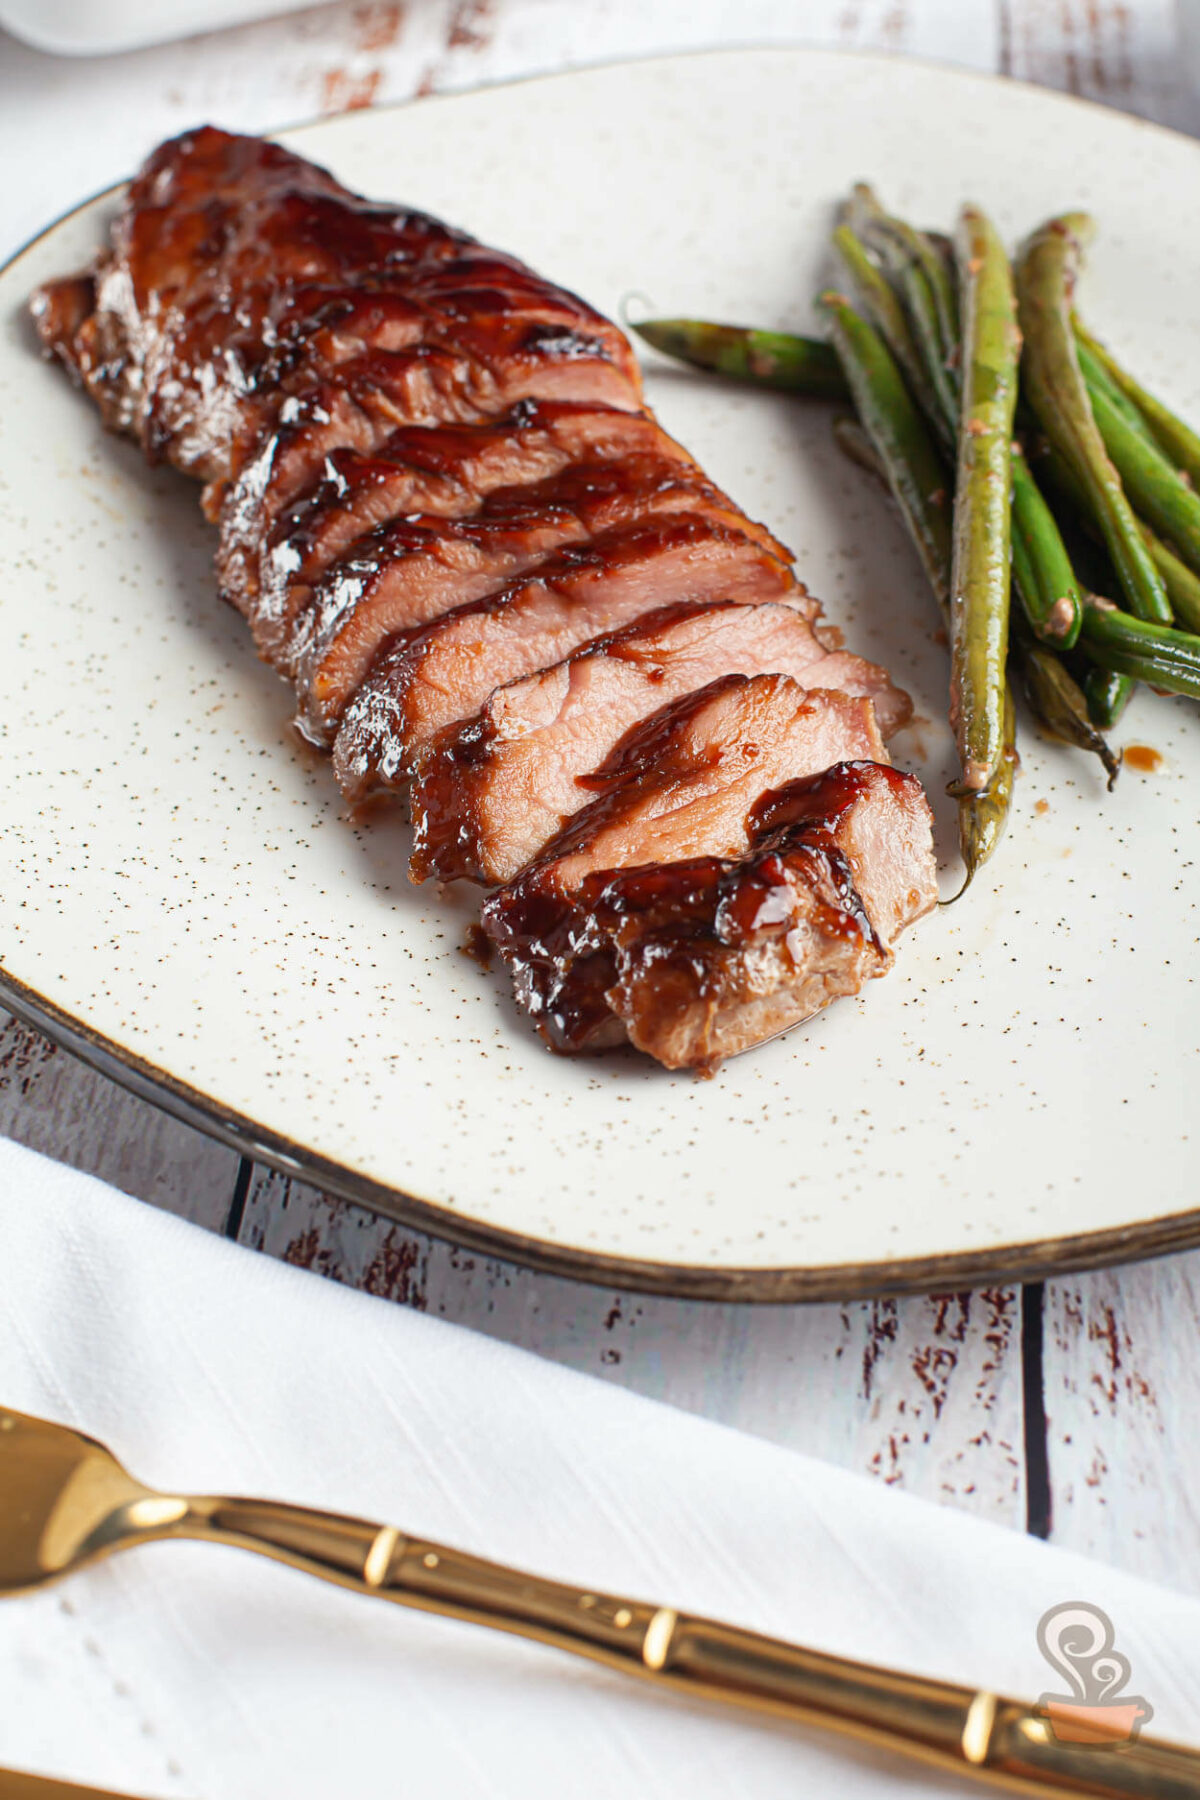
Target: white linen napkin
{"type": "Point", "coordinates": [180, 1669]}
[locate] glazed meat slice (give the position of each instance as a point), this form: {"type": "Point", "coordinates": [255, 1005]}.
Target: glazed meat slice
{"type": "Point", "coordinates": [402, 576]}
{"type": "Point", "coordinates": [278, 448]}
{"type": "Point", "coordinates": [233, 264]}
{"type": "Point", "coordinates": [426, 383]}
{"type": "Point", "coordinates": [446, 470]}
{"type": "Point", "coordinates": [580, 501]}
{"type": "Point", "coordinates": [490, 793]}
{"type": "Point", "coordinates": [685, 782]}
{"type": "Point", "coordinates": [683, 786]}
{"type": "Point", "coordinates": [695, 961]}
{"type": "Point", "coordinates": [424, 682]}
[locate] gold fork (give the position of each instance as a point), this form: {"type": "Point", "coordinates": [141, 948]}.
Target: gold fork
{"type": "Point", "coordinates": [66, 1501]}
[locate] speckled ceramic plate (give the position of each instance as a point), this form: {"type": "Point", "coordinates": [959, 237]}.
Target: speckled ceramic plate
{"type": "Point", "coordinates": [183, 902]}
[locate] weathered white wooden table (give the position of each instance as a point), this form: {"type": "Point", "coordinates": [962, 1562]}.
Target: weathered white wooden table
{"type": "Point", "coordinates": [1070, 1409]}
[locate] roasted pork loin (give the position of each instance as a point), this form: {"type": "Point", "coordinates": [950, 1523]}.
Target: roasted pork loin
{"type": "Point", "coordinates": [490, 793]}
{"type": "Point", "coordinates": [696, 960]}
{"type": "Point", "coordinates": [499, 587]}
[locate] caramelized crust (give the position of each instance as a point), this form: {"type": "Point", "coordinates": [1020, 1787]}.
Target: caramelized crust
{"type": "Point", "coordinates": [425, 682]}
{"type": "Point", "coordinates": [490, 793]}
{"type": "Point", "coordinates": [694, 961]}
{"type": "Point", "coordinates": [240, 273]}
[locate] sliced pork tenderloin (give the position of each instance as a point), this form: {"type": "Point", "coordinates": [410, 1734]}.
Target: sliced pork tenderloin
{"type": "Point", "coordinates": [229, 264]}
{"type": "Point", "coordinates": [426, 681]}
{"type": "Point", "coordinates": [447, 470]}
{"type": "Point", "coordinates": [683, 786]}
{"type": "Point", "coordinates": [698, 960]}
{"type": "Point", "coordinates": [490, 793]}
{"type": "Point", "coordinates": [408, 572]}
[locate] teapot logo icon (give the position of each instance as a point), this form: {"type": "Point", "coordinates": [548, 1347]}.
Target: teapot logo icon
{"type": "Point", "coordinates": [1077, 1639]}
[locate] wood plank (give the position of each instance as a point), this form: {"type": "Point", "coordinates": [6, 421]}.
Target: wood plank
{"type": "Point", "coordinates": [55, 1104]}
{"type": "Point", "coordinates": [1122, 1399]}
{"type": "Point", "coordinates": [924, 1392]}
{"type": "Point", "coordinates": [1103, 50]}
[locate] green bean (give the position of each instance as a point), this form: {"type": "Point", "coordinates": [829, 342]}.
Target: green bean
{"type": "Point", "coordinates": [983, 816]}
{"type": "Point", "coordinates": [982, 513]}
{"type": "Point", "coordinates": [981, 576]}
{"type": "Point", "coordinates": [1100, 382]}
{"type": "Point", "coordinates": [1056, 699]}
{"type": "Point", "coordinates": [1177, 439]}
{"type": "Point", "coordinates": [1182, 585]}
{"type": "Point", "coordinates": [1046, 273]}
{"type": "Point", "coordinates": [1042, 572]}
{"type": "Point", "coordinates": [906, 247]}
{"type": "Point", "coordinates": [877, 300]}
{"type": "Point", "coordinates": [899, 435]}
{"type": "Point", "coordinates": [924, 280]}
{"type": "Point", "coordinates": [1046, 584]}
{"type": "Point", "coordinates": [897, 446]}
{"type": "Point", "coordinates": [1154, 486]}
{"type": "Point", "coordinates": [857, 447]}
{"type": "Point", "coordinates": [1157, 654]}
{"type": "Point", "coordinates": [1107, 695]}
{"type": "Point", "coordinates": [770, 359]}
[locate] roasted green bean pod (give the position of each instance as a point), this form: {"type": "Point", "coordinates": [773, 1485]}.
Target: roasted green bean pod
{"type": "Point", "coordinates": [1100, 382]}
{"type": "Point", "coordinates": [1107, 695]}
{"type": "Point", "coordinates": [878, 301]}
{"type": "Point", "coordinates": [857, 447]}
{"type": "Point", "coordinates": [899, 435]}
{"type": "Point", "coordinates": [1056, 699]}
{"type": "Point", "coordinates": [769, 359]}
{"type": "Point", "coordinates": [1157, 654]}
{"type": "Point", "coordinates": [1154, 485]}
{"type": "Point", "coordinates": [1042, 573]}
{"type": "Point", "coordinates": [923, 277]}
{"type": "Point", "coordinates": [1176, 438]}
{"type": "Point", "coordinates": [906, 247]}
{"type": "Point", "coordinates": [983, 816]}
{"type": "Point", "coordinates": [982, 573]}
{"type": "Point", "coordinates": [1182, 585]}
{"type": "Point", "coordinates": [1047, 270]}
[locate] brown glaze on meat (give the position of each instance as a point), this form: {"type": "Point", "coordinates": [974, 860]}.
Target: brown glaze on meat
{"type": "Point", "coordinates": [423, 683]}
{"type": "Point", "coordinates": [490, 793]}
{"type": "Point", "coordinates": [444, 470]}
{"type": "Point", "coordinates": [400, 577]}
{"type": "Point", "coordinates": [696, 960]}
{"type": "Point", "coordinates": [684, 783]}
{"type": "Point", "coordinates": [240, 272]}
{"type": "Point", "coordinates": [434, 476]}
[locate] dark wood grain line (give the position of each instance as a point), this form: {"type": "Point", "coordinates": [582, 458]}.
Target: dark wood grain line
{"type": "Point", "coordinates": [1039, 1507]}
{"type": "Point", "coordinates": [1004, 34]}
{"type": "Point", "coordinates": [237, 1204]}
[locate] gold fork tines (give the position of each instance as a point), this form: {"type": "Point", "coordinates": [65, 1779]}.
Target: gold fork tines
{"type": "Point", "coordinates": [68, 1501]}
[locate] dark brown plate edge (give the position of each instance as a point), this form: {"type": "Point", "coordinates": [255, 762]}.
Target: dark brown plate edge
{"type": "Point", "coordinates": [682, 1281]}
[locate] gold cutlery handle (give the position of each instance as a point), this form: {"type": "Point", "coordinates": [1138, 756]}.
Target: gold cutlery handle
{"type": "Point", "coordinates": [974, 1733]}
{"type": "Point", "coordinates": [15, 1784]}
